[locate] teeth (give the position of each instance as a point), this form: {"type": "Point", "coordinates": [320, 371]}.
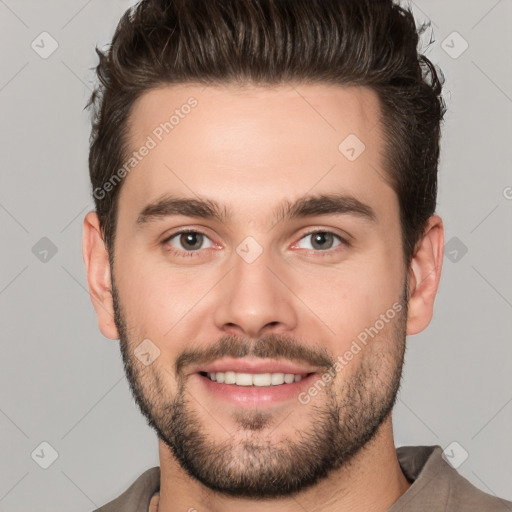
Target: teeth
{"type": "Point", "coordinates": [262, 379]}
{"type": "Point", "coordinates": [277, 378]}
{"type": "Point", "coordinates": [254, 379]}
{"type": "Point", "coordinates": [289, 378]}
{"type": "Point", "coordinates": [229, 378]}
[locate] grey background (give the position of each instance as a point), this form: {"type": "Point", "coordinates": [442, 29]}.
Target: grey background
{"type": "Point", "coordinates": [63, 383]}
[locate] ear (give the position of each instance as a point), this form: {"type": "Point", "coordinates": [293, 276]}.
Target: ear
{"type": "Point", "coordinates": [424, 276]}
{"type": "Point", "coordinates": [97, 267]}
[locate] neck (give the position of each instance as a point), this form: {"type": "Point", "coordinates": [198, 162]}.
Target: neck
{"type": "Point", "coordinates": [372, 480]}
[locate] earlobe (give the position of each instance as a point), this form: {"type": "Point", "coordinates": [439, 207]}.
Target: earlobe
{"type": "Point", "coordinates": [97, 268]}
{"type": "Point", "coordinates": [424, 275]}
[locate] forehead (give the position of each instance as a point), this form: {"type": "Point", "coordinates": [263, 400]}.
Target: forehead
{"type": "Point", "coordinates": [223, 115]}
{"type": "Point", "coordinates": [253, 145]}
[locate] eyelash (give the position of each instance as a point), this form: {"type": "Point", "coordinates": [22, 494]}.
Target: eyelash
{"type": "Point", "coordinates": [191, 254]}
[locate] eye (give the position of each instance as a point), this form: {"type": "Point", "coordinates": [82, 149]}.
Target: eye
{"type": "Point", "coordinates": [188, 241]}
{"type": "Point", "coordinates": [321, 241]}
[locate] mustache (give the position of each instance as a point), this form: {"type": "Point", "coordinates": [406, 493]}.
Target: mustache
{"type": "Point", "coordinates": [273, 346]}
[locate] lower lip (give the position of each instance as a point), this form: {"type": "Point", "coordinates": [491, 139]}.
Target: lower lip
{"type": "Point", "coordinates": [251, 396]}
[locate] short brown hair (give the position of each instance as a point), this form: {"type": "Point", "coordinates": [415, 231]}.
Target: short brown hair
{"type": "Point", "coordinates": [270, 42]}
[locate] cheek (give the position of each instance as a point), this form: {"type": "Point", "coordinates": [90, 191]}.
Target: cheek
{"type": "Point", "coordinates": [159, 299]}
{"type": "Point", "coordinates": [351, 297]}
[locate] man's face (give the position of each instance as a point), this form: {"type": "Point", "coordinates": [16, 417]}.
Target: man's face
{"type": "Point", "coordinates": [258, 285]}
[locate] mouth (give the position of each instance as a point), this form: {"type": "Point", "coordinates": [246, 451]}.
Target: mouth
{"type": "Point", "coordinates": [250, 384]}
{"type": "Point", "coordinates": [254, 379]}
{"type": "Point", "coordinates": [239, 368]}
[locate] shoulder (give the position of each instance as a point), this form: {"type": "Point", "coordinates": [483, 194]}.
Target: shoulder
{"type": "Point", "coordinates": [438, 487]}
{"type": "Point", "coordinates": [138, 495]}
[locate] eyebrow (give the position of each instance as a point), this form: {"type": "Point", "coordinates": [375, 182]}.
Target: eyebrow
{"type": "Point", "coordinates": [323, 204]}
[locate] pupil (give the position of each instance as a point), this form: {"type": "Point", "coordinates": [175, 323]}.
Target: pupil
{"type": "Point", "coordinates": [320, 240]}
{"type": "Point", "coordinates": [192, 240]}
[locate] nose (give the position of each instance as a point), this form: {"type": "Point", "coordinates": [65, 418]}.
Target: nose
{"type": "Point", "coordinates": [254, 299]}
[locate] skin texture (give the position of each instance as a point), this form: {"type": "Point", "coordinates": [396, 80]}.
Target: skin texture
{"type": "Point", "coordinates": [249, 149]}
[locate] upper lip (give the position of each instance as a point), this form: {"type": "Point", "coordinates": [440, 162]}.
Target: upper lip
{"type": "Point", "coordinates": [254, 366]}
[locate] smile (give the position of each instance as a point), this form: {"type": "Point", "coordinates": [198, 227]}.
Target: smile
{"type": "Point", "coordinates": [253, 379]}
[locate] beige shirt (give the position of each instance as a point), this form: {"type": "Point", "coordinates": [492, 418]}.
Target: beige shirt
{"type": "Point", "coordinates": [437, 487]}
